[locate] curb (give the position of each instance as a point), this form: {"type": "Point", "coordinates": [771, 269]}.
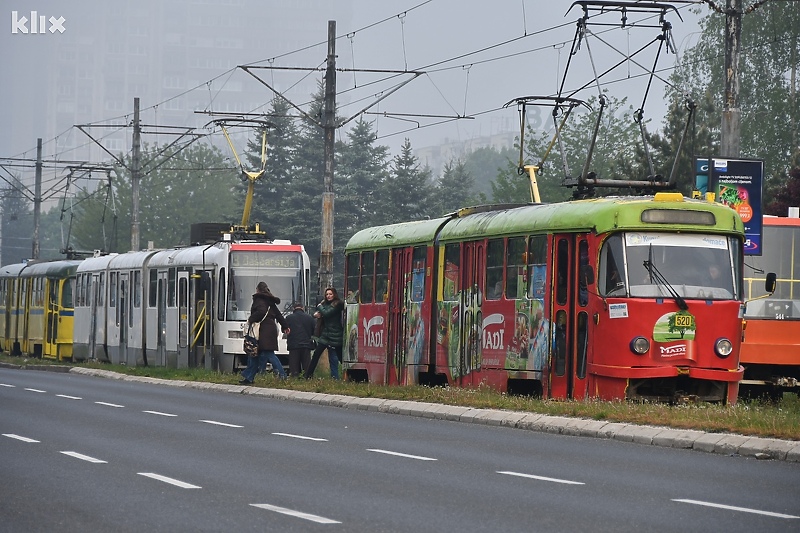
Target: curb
{"type": "Point", "coordinates": [719, 443]}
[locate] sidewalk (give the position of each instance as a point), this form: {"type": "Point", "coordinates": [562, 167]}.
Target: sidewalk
{"type": "Point", "coordinates": [722, 443]}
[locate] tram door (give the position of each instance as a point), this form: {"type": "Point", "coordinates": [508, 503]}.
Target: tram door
{"type": "Point", "coordinates": [161, 319]}
{"type": "Point", "coordinates": [570, 317]}
{"type": "Point", "coordinates": [184, 319]}
{"type": "Point", "coordinates": [53, 302]}
{"type": "Point", "coordinates": [397, 330]}
{"type": "Point", "coordinates": [471, 316]}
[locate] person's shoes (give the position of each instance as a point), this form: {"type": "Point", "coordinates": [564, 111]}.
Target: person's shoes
{"type": "Point", "coordinates": [245, 382]}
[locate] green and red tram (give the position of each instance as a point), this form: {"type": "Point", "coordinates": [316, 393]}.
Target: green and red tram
{"type": "Point", "coordinates": [608, 298]}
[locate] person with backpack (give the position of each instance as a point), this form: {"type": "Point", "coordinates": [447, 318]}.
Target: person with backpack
{"type": "Point", "coordinates": [264, 310]}
{"type": "Point", "coordinates": [298, 339]}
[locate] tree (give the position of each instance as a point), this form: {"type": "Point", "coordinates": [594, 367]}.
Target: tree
{"type": "Point", "coordinates": [786, 196]}
{"type": "Point", "coordinates": [484, 163]}
{"type": "Point", "coordinates": [17, 224]}
{"type": "Point", "coordinates": [406, 195]}
{"type": "Point", "coordinates": [455, 189]}
{"type": "Point", "coordinates": [768, 86]}
{"type": "Point", "coordinates": [176, 191]}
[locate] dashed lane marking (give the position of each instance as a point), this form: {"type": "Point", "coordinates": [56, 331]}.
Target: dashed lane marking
{"type": "Point", "coordinates": [398, 454]}
{"type": "Point", "coordinates": [734, 508]}
{"type": "Point", "coordinates": [302, 437]}
{"type": "Point", "coordinates": [19, 437]}
{"type": "Point", "coordinates": [82, 457]}
{"type": "Point", "coordinates": [171, 481]}
{"type": "Point", "coordinates": [297, 514]}
{"type": "Point", "coordinates": [540, 478]}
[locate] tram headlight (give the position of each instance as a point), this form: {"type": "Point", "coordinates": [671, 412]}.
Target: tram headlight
{"type": "Point", "coordinates": [723, 347]}
{"type": "Point", "coordinates": [640, 345]}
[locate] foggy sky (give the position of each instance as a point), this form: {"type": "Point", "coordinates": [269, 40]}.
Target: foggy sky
{"type": "Point", "coordinates": [437, 37]}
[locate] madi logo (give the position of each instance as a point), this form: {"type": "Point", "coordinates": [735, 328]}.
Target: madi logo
{"type": "Point", "coordinates": [373, 337]}
{"type": "Point", "coordinates": [38, 23]}
{"type": "Point", "coordinates": [677, 350]}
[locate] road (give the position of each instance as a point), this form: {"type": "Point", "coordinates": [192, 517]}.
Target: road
{"type": "Point", "coordinates": [81, 453]}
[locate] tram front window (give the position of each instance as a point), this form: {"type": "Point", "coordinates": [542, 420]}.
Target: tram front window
{"type": "Point", "coordinates": [286, 284]}
{"type": "Point", "coordinates": [694, 266]}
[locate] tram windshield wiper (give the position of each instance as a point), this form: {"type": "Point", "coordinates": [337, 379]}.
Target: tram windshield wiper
{"type": "Point", "coordinates": [659, 278]}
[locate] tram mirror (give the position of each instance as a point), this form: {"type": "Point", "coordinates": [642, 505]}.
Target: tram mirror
{"type": "Point", "coordinates": [587, 273]}
{"type": "Point", "coordinates": [771, 282]}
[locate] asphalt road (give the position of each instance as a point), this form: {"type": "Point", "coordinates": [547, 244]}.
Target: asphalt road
{"type": "Point", "coordinates": [80, 453]}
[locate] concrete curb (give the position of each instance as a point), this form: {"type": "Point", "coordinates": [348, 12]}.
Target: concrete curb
{"type": "Point", "coordinates": [719, 443]}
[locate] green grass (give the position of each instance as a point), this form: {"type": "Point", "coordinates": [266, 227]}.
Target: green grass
{"type": "Point", "coordinates": [778, 420]}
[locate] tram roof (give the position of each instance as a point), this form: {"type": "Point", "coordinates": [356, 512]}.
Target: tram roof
{"type": "Point", "coordinates": [392, 235]}
{"type": "Point", "coordinates": [51, 269]}
{"type": "Point", "coordinates": [597, 214]}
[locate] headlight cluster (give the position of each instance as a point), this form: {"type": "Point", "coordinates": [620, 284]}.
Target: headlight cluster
{"type": "Point", "coordinates": [723, 347]}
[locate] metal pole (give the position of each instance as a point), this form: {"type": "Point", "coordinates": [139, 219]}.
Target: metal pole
{"type": "Point", "coordinates": [731, 113]}
{"type": "Point", "coordinates": [326, 245]}
{"type": "Point", "coordinates": [135, 169]}
{"type": "Point", "coordinates": [37, 199]}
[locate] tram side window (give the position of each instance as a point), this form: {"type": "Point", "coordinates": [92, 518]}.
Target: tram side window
{"type": "Point", "coordinates": [66, 293]}
{"type": "Point", "coordinates": [418, 274]}
{"type": "Point", "coordinates": [101, 295]}
{"type": "Point", "coordinates": [221, 300]}
{"type": "Point", "coordinates": [112, 290]}
{"type": "Point", "coordinates": [494, 269]}
{"type": "Point", "coordinates": [137, 289]}
{"type": "Point", "coordinates": [153, 292]}
{"type": "Point", "coordinates": [537, 266]}
{"type": "Point", "coordinates": [583, 265]}
{"type": "Point", "coordinates": [171, 276]}
{"type": "Point", "coordinates": [515, 268]}
{"type": "Point", "coordinates": [351, 288]}
{"type": "Point", "coordinates": [367, 276]}
{"type": "Point", "coordinates": [562, 271]}
{"type": "Point", "coordinates": [611, 267]}
{"type": "Point", "coordinates": [382, 276]}
{"type": "Point", "coordinates": [451, 281]}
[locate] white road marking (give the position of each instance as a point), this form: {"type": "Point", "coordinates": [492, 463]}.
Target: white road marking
{"type": "Point", "coordinates": [8, 385]}
{"type": "Point", "coordinates": [35, 390]}
{"type": "Point", "coordinates": [109, 404]}
{"type": "Point", "coordinates": [221, 424]}
{"type": "Point", "coordinates": [540, 478]}
{"type": "Point", "coordinates": [297, 514]}
{"type": "Point", "coordinates": [734, 508]}
{"type": "Point", "coordinates": [398, 454]}
{"type": "Point", "coordinates": [69, 397]}
{"type": "Point", "coordinates": [159, 413]}
{"type": "Point", "coordinates": [177, 483]}
{"type": "Point", "coordinates": [19, 437]}
{"type": "Point", "coordinates": [303, 437]}
{"type": "Point", "coordinates": [82, 457]}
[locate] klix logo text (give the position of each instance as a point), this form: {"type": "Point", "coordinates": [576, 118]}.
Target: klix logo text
{"type": "Point", "coordinates": [36, 23]}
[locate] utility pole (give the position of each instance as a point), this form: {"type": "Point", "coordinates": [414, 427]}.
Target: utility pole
{"type": "Point", "coordinates": [326, 244]}
{"type": "Point", "coordinates": [731, 113]}
{"type": "Point", "coordinates": [37, 199]}
{"type": "Point", "coordinates": [135, 170]}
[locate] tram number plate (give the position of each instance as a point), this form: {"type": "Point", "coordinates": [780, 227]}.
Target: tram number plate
{"type": "Point", "coordinates": [684, 321]}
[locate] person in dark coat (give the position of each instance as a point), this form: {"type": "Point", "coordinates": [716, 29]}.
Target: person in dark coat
{"type": "Point", "coordinates": [264, 311]}
{"type": "Point", "coordinates": [298, 339]}
{"type": "Point", "coordinates": [330, 311]}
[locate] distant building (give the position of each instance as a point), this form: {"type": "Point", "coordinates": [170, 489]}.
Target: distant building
{"type": "Point", "coordinates": [436, 157]}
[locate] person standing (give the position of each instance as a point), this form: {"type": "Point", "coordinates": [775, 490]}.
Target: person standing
{"type": "Point", "coordinates": [264, 310]}
{"type": "Point", "coordinates": [330, 311]}
{"type": "Point", "coordinates": [298, 339]}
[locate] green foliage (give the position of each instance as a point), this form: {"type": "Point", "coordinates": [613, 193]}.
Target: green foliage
{"type": "Point", "coordinates": [407, 194]}
{"type": "Point", "coordinates": [455, 189]}
{"type": "Point", "coordinates": [177, 189]}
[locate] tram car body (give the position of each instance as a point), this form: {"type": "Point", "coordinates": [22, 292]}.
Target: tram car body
{"type": "Point", "coordinates": [771, 349]}
{"type": "Point", "coordinates": [605, 298]}
{"type": "Point", "coordinates": [179, 308]}
{"type": "Point", "coordinates": [37, 308]}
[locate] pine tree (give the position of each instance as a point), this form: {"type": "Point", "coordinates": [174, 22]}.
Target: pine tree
{"type": "Point", "coordinates": [454, 189]}
{"type": "Point", "coordinates": [406, 195]}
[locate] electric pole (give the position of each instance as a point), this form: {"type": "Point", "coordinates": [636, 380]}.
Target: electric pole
{"type": "Point", "coordinates": [135, 169]}
{"type": "Point", "coordinates": [329, 126]}
{"type": "Point", "coordinates": [731, 113]}
{"type": "Point", "coordinates": [37, 199]}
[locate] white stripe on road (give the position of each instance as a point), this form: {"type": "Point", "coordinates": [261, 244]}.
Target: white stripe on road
{"type": "Point", "coordinates": [109, 404]}
{"type": "Point", "coordinates": [303, 437]}
{"type": "Point", "coordinates": [35, 390]}
{"type": "Point", "coordinates": [398, 454]}
{"type": "Point", "coordinates": [221, 424]}
{"type": "Point", "coordinates": [82, 457]}
{"type": "Point", "coordinates": [297, 514]}
{"type": "Point", "coordinates": [158, 413]}
{"type": "Point", "coordinates": [177, 483]}
{"type": "Point", "coordinates": [69, 397]}
{"type": "Point", "coordinates": [19, 437]}
{"type": "Point", "coordinates": [733, 508]}
{"type": "Point", "coordinates": [8, 385]}
{"type": "Point", "coordinates": [540, 478]}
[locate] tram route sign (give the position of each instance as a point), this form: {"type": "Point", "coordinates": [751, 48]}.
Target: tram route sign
{"type": "Point", "coordinates": [736, 183]}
